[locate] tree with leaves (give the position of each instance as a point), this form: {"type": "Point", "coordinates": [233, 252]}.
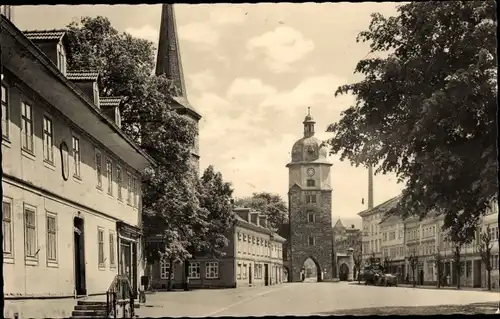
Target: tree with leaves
{"type": "Point", "coordinates": [271, 205]}
{"type": "Point", "coordinates": [484, 247]}
{"type": "Point", "coordinates": [216, 199]}
{"type": "Point", "coordinates": [427, 111]}
{"type": "Point", "coordinates": [459, 234]}
{"type": "Point", "coordinates": [414, 262]}
{"type": "Point", "coordinates": [357, 259]}
{"type": "Point", "coordinates": [172, 217]}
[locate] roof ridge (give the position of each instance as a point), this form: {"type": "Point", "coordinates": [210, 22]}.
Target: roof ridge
{"type": "Point", "coordinates": [45, 30]}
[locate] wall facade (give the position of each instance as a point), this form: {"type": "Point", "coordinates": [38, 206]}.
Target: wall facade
{"type": "Point", "coordinates": [51, 178]}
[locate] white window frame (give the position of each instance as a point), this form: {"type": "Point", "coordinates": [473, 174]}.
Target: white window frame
{"type": "Point", "coordinates": [134, 192]}
{"type": "Point", "coordinates": [194, 270]}
{"type": "Point", "coordinates": [61, 58]}
{"type": "Point", "coordinates": [5, 112]}
{"type": "Point", "coordinates": [129, 189]}
{"type": "Point", "coordinates": [119, 182]}
{"type": "Point", "coordinates": [30, 254]}
{"type": "Point", "coordinates": [101, 256]}
{"type": "Point", "coordinates": [27, 142]}
{"type": "Point", "coordinates": [238, 271]}
{"type": "Point", "coordinates": [95, 90]}
{"type": "Point", "coordinates": [165, 269]}
{"type": "Point", "coordinates": [109, 175]}
{"type": "Point", "coordinates": [212, 270]}
{"type": "Point", "coordinates": [98, 167]}
{"type": "Point", "coordinates": [48, 139]}
{"type": "Point", "coordinates": [112, 249]}
{"type": "Point", "coordinates": [311, 199]}
{"type": "Point", "coordinates": [51, 259]}
{"type": "Point", "coordinates": [8, 223]}
{"type": "Point", "coordinates": [245, 271]}
{"type": "Point", "coordinates": [77, 156]}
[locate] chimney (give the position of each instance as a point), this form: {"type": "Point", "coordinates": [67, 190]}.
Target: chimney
{"type": "Point", "coordinates": [263, 221]}
{"type": "Point", "coordinates": [243, 212]}
{"type": "Point", "coordinates": [370, 187]}
{"type": "Point", "coordinates": [254, 218]}
{"type": "Point", "coordinates": [352, 226]}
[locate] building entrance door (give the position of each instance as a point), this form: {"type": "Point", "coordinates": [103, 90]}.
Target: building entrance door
{"type": "Point", "coordinates": [79, 256]}
{"type": "Point", "coordinates": [266, 274]}
{"type": "Point", "coordinates": [250, 275]}
{"type": "Point", "coordinates": [126, 260]}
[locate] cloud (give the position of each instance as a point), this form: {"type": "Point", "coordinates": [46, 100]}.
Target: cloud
{"type": "Point", "coordinates": [146, 32]}
{"type": "Point", "coordinates": [247, 86]}
{"type": "Point", "coordinates": [223, 119]}
{"type": "Point", "coordinates": [207, 33]}
{"type": "Point", "coordinates": [315, 90]}
{"type": "Point", "coordinates": [227, 14]}
{"type": "Point", "coordinates": [282, 47]}
{"type": "Point", "coordinates": [202, 81]}
{"type": "Point", "coordinates": [199, 33]}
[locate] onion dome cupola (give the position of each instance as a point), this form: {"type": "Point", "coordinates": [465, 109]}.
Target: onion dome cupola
{"type": "Point", "coordinates": [308, 148]}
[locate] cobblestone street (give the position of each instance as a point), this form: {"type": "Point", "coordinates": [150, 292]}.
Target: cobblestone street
{"type": "Point", "coordinates": [300, 299]}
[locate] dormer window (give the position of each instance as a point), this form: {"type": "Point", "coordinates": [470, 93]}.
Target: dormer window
{"type": "Point", "coordinates": [6, 10]}
{"type": "Point", "coordinates": [61, 58]}
{"type": "Point", "coordinates": [118, 117]}
{"type": "Point", "coordinates": [96, 93]}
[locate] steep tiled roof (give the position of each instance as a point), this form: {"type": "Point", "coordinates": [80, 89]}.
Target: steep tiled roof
{"type": "Point", "coordinates": [82, 76]}
{"type": "Point", "coordinates": [41, 35]}
{"type": "Point", "coordinates": [385, 206]}
{"type": "Point", "coordinates": [109, 101]}
{"type": "Point", "coordinates": [339, 224]}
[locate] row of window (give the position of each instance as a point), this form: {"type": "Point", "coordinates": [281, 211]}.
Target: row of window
{"type": "Point", "coordinates": [111, 169]}
{"type": "Point", "coordinates": [374, 246]}
{"type": "Point", "coordinates": [114, 174]}
{"type": "Point", "coordinates": [389, 236]}
{"type": "Point", "coordinates": [394, 252]}
{"type": "Point", "coordinates": [31, 247]}
{"type": "Point", "coordinates": [101, 250]}
{"type": "Point", "coordinates": [258, 271]}
{"type": "Point", "coordinates": [256, 246]}
{"type": "Point", "coordinates": [211, 270]}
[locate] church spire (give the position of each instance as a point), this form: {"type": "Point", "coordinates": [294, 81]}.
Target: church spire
{"type": "Point", "coordinates": [308, 124]}
{"type": "Point", "coordinates": [169, 60]}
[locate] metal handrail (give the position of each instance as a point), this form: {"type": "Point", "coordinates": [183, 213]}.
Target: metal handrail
{"type": "Point", "coordinates": [120, 288]}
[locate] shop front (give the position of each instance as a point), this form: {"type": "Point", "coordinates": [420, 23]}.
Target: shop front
{"type": "Point", "coordinates": [129, 246]}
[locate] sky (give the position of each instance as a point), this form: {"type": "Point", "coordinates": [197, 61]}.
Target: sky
{"type": "Point", "coordinates": [252, 70]}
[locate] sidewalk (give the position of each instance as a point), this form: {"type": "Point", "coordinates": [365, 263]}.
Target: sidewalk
{"type": "Point", "coordinates": [448, 288]}
{"type": "Point", "coordinates": [39, 308]}
{"type": "Point", "coordinates": [495, 290]}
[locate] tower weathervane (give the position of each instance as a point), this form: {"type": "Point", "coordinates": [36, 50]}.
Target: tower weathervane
{"type": "Point", "coordinates": [309, 110]}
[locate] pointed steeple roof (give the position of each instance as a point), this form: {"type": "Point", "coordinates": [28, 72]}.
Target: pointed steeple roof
{"type": "Point", "coordinates": [338, 224]}
{"type": "Point", "coordinates": [169, 59]}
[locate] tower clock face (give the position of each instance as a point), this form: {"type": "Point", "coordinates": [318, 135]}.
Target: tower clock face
{"type": "Point", "coordinates": [311, 171]}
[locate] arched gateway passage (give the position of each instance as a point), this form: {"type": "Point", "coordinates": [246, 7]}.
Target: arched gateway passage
{"type": "Point", "coordinates": [286, 274]}
{"type": "Point", "coordinates": [311, 271]}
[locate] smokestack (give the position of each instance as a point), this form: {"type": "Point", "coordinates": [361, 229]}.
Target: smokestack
{"type": "Point", "coordinates": [370, 187]}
